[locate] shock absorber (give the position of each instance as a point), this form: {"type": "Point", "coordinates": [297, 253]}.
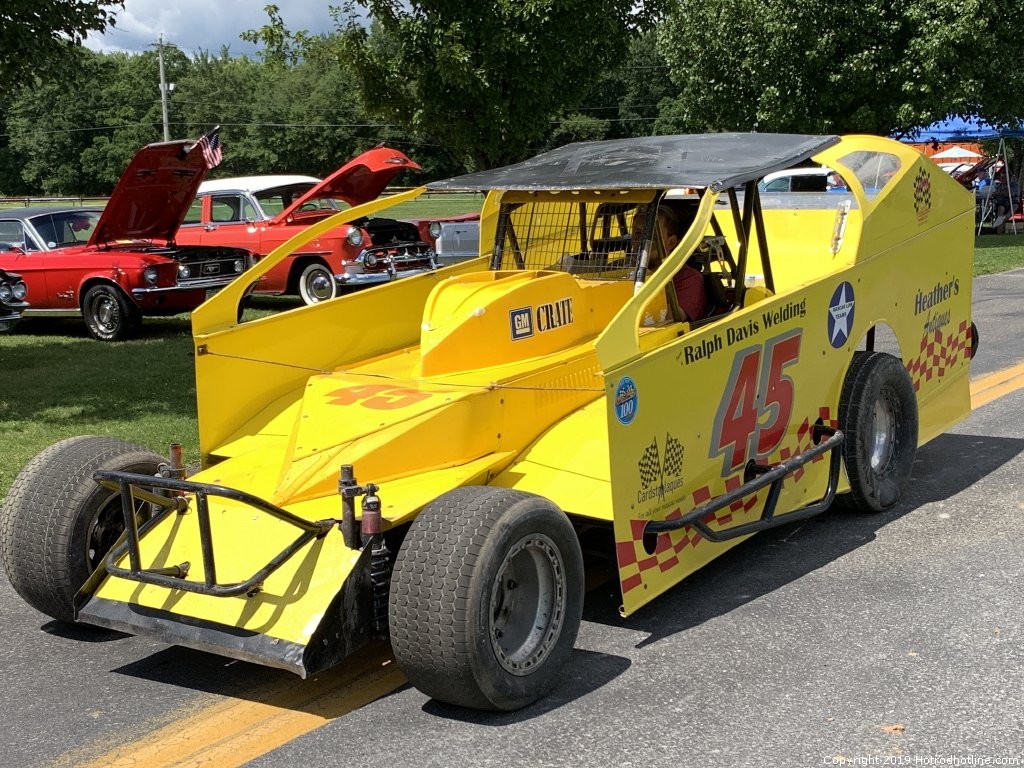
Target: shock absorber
{"type": "Point", "coordinates": [372, 534]}
{"type": "Point", "coordinates": [369, 534]}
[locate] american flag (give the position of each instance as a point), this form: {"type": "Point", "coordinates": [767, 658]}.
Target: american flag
{"type": "Point", "coordinates": [211, 147]}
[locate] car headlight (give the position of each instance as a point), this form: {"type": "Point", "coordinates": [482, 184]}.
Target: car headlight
{"type": "Point", "coordinates": [149, 274]}
{"type": "Point", "coordinates": [20, 291]}
{"type": "Point", "coordinates": [6, 292]}
{"type": "Point", "coordinates": [355, 237]}
{"type": "Point", "coordinates": [371, 260]}
{"type": "Point", "coordinates": [434, 229]}
{"type": "Point", "coordinates": [184, 271]}
{"type": "Point", "coordinates": [239, 265]}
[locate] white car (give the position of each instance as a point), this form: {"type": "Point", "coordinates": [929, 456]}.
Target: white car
{"type": "Point", "coordinates": [813, 179]}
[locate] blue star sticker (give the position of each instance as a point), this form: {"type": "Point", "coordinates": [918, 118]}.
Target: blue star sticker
{"type": "Point", "coordinates": [840, 315]}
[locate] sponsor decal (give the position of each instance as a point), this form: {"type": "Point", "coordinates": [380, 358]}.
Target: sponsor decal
{"type": "Point", "coordinates": [627, 401]}
{"type": "Point", "coordinates": [707, 346]}
{"type": "Point", "coordinates": [521, 321]}
{"type": "Point", "coordinates": [840, 315]}
{"type": "Point", "coordinates": [524, 321]}
{"type": "Point", "coordinates": [554, 315]}
{"type": "Point", "coordinates": [658, 475]}
{"type": "Point", "coordinates": [940, 293]}
{"type": "Point", "coordinates": [926, 302]}
{"type": "Point", "coordinates": [922, 194]}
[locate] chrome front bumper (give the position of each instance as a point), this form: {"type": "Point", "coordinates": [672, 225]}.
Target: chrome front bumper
{"type": "Point", "coordinates": [205, 284]}
{"type": "Point", "coordinates": [375, 278]}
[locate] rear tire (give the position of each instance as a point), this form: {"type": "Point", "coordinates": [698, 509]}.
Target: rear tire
{"type": "Point", "coordinates": [878, 415]}
{"type": "Point", "coordinates": [316, 283]}
{"type": "Point", "coordinates": [486, 598]}
{"type": "Point", "coordinates": [57, 524]}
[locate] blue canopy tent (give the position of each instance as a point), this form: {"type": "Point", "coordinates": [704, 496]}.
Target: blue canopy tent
{"type": "Point", "coordinates": [962, 129]}
{"type": "Point", "coordinates": [976, 129]}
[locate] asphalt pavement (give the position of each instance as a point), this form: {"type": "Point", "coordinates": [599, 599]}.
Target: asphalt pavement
{"type": "Point", "coordinates": [892, 639]}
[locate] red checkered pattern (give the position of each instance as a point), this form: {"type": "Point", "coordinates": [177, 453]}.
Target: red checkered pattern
{"type": "Point", "coordinates": [805, 440]}
{"type": "Point", "coordinates": [633, 558]}
{"type": "Point", "coordinates": [938, 354]}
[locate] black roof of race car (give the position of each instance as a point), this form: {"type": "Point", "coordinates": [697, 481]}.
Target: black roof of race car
{"type": "Point", "coordinates": [717, 160]}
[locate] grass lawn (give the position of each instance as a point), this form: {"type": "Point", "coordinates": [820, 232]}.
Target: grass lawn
{"type": "Point", "coordinates": [998, 253]}
{"type": "Point", "coordinates": [56, 382]}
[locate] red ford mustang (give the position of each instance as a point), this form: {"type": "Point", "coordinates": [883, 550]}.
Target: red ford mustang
{"type": "Point", "coordinates": [114, 266]}
{"type": "Point", "coordinates": [259, 213]}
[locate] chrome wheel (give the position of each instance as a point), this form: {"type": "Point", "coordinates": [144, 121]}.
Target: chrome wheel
{"type": "Point", "coordinates": [109, 313]}
{"type": "Point", "coordinates": [317, 284]}
{"type": "Point", "coordinates": [883, 431]}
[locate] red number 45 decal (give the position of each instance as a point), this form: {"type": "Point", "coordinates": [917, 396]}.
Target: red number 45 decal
{"type": "Point", "coordinates": [380, 397]}
{"type": "Point", "coordinates": [755, 411]}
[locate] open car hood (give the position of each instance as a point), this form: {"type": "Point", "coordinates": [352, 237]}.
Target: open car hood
{"type": "Point", "coordinates": [153, 195]}
{"type": "Point", "coordinates": [359, 181]}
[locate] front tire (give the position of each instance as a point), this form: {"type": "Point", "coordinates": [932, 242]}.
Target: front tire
{"type": "Point", "coordinates": [57, 524]}
{"type": "Point", "coordinates": [316, 283]}
{"type": "Point", "coordinates": [109, 314]}
{"type": "Point", "coordinates": [878, 414]}
{"type": "Point", "coordinates": [486, 598]}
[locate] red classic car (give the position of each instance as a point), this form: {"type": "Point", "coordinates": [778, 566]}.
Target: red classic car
{"type": "Point", "coordinates": [115, 265]}
{"type": "Point", "coordinates": [261, 212]}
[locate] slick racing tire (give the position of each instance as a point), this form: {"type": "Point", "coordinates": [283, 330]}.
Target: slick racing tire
{"type": "Point", "coordinates": [57, 524]}
{"type": "Point", "coordinates": [316, 284]}
{"type": "Point", "coordinates": [109, 314]}
{"type": "Point", "coordinates": [878, 415]}
{"type": "Point", "coordinates": [486, 598]}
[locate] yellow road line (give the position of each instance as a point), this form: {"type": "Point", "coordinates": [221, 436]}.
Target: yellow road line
{"type": "Point", "coordinates": [233, 732]}
{"type": "Point", "coordinates": [996, 385]}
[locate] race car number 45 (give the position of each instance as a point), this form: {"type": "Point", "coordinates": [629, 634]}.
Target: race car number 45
{"type": "Point", "coordinates": [757, 405]}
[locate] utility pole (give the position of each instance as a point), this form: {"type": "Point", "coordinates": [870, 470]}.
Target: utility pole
{"type": "Point", "coordinates": [163, 89]}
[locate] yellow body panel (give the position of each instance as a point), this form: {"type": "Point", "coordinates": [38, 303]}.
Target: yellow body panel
{"type": "Point", "coordinates": [683, 418]}
{"type": "Point", "coordinates": [549, 382]}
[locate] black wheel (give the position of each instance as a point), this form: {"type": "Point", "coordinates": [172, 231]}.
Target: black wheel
{"type": "Point", "coordinates": [975, 339]}
{"type": "Point", "coordinates": [109, 314]}
{"type": "Point", "coordinates": [57, 524]}
{"type": "Point", "coordinates": [486, 598]}
{"type": "Point", "coordinates": [878, 414]}
{"type": "Point", "coordinates": [316, 284]}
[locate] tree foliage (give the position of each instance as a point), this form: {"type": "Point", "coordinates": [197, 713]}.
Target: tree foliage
{"type": "Point", "coordinates": [460, 86]}
{"type": "Point", "coordinates": [832, 66]}
{"type": "Point", "coordinates": [485, 80]}
{"type": "Point", "coordinates": [38, 38]}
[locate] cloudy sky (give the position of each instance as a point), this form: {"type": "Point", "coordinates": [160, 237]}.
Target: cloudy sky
{"type": "Point", "coordinates": [204, 24]}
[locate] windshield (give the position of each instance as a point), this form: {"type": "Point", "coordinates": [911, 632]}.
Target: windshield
{"type": "Point", "coordinates": [273, 201]}
{"type": "Point", "coordinates": [65, 227]}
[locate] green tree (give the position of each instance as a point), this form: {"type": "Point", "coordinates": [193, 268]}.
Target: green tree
{"type": "Point", "coordinates": [38, 38]}
{"type": "Point", "coordinates": [880, 66]}
{"type": "Point", "coordinates": [485, 80]}
{"type": "Point", "coordinates": [624, 100]}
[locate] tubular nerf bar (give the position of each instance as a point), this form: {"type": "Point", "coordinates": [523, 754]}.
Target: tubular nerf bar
{"type": "Point", "coordinates": [757, 477]}
{"type": "Point", "coordinates": [134, 487]}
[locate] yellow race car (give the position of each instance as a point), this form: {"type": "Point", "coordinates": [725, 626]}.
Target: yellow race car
{"type": "Point", "coordinates": [651, 358]}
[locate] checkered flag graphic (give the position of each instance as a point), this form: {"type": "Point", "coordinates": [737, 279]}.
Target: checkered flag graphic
{"type": "Point", "coordinates": [922, 191]}
{"type": "Point", "coordinates": [650, 465]}
{"type": "Point", "coordinates": [673, 456]}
